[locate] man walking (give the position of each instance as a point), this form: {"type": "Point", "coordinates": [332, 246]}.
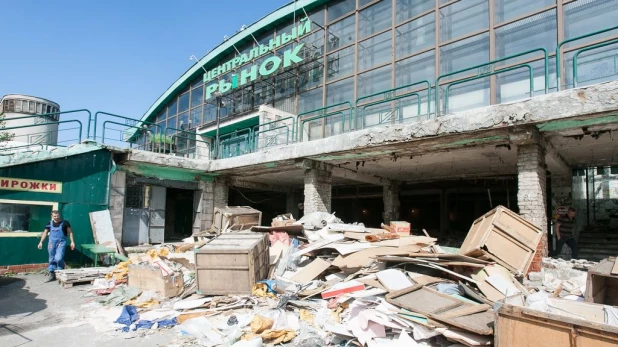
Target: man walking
{"type": "Point", "coordinates": [57, 230]}
{"type": "Point", "coordinates": [564, 233]}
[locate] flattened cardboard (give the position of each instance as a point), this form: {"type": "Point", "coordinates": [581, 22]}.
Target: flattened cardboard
{"type": "Point", "coordinates": [311, 271]}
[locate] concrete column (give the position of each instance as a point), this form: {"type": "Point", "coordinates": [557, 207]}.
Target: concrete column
{"type": "Point", "coordinates": [203, 203]}
{"type": "Point", "coordinates": [317, 191]}
{"type": "Point", "coordinates": [444, 212]}
{"type": "Point", "coordinates": [392, 205]}
{"type": "Point", "coordinates": [221, 191]}
{"type": "Point", "coordinates": [116, 201]}
{"type": "Point", "coordinates": [532, 193]}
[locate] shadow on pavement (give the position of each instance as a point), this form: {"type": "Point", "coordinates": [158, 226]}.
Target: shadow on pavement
{"type": "Point", "coordinates": [16, 302]}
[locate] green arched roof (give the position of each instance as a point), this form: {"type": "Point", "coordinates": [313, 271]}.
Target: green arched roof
{"type": "Point", "coordinates": [266, 23]}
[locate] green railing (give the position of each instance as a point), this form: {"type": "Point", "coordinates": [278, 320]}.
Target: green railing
{"type": "Point", "coordinates": [576, 38]}
{"type": "Point", "coordinates": [80, 127]}
{"type": "Point", "coordinates": [324, 114]}
{"type": "Point", "coordinates": [234, 144]}
{"type": "Point", "coordinates": [586, 49]}
{"type": "Point", "coordinates": [133, 123]}
{"type": "Point", "coordinates": [489, 72]}
{"type": "Point", "coordinates": [273, 139]}
{"type": "Point", "coordinates": [391, 95]}
{"type": "Point", "coordinates": [188, 136]}
{"type": "Point", "coordinates": [105, 123]}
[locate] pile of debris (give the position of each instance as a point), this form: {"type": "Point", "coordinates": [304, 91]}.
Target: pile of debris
{"type": "Point", "coordinates": [319, 281]}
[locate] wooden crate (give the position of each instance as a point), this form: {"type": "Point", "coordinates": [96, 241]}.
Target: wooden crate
{"type": "Point", "coordinates": [232, 263]}
{"type": "Point", "coordinates": [601, 285]}
{"type": "Point", "coordinates": [504, 237]}
{"type": "Point", "coordinates": [149, 277]}
{"type": "Point", "coordinates": [236, 218]}
{"type": "Point", "coordinates": [525, 327]}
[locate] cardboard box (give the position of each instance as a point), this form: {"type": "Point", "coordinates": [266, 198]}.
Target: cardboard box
{"type": "Point", "coordinates": [401, 228]}
{"type": "Point", "coordinates": [149, 277]}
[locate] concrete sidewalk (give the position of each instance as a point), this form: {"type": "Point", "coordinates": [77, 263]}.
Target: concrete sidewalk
{"type": "Point", "coordinates": [36, 313]}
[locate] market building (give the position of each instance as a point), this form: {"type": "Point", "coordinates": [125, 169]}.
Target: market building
{"type": "Point", "coordinates": [427, 111]}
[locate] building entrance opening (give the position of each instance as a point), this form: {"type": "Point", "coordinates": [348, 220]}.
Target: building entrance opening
{"type": "Point", "coordinates": [178, 214]}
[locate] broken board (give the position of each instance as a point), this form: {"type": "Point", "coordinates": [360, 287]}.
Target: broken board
{"type": "Point", "coordinates": [311, 271]}
{"type": "Point", "coordinates": [476, 318]}
{"type": "Point", "coordinates": [102, 230]}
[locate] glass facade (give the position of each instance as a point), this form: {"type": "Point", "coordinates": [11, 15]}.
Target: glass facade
{"type": "Point", "coordinates": [359, 47]}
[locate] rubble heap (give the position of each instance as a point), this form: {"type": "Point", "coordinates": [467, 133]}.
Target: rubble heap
{"type": "Point", "coordinates": [320, 282]}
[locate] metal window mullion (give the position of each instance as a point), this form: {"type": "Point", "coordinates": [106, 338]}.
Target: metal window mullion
{"type": "Point", "coordinates": [412, 19]}
{"type": "Point", "coordinates": [436, 56]}
{"type": "Point", "coordinates": [393, 48]}
{"type": "Point", "coordinates": [560, 38]}
{"type": "Point", "coordinates": [356, 65]}
{"type": "Point", "coordinates": [493, 91]}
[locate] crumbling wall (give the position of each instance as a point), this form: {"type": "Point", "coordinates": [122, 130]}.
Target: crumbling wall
{"type": "Point", "coordinates": [317, 191]}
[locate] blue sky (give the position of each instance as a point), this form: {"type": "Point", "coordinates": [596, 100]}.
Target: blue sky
{"type": "Point", "coordinates": [114, 56]}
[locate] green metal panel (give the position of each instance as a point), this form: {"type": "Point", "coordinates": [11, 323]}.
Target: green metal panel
{"type": "Point", "coordinates": [231, 127]}
{"type": "Point", "coordinates": [85, 188]}
{"type": "Point", "coordinates": [84, 178]}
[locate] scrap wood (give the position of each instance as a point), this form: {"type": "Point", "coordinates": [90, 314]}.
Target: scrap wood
{"type": "Point", "coordinates": [469, 339]}
{"type": "Point", "coordinates": [386, 227]}
{"type": "Point", "coordinates": [365, 257]}
{"type": "Point", "coordinates": [381, 237]}
{"type": "Point", "coordinates": [614, 270]}
{"type": "Point", "coordinates": [311, 271]}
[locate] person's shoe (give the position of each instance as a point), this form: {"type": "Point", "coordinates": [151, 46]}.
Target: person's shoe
{"type": "Point", "coordinates": [52, 277]}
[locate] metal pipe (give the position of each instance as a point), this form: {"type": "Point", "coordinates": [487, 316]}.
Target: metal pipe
{"type": "Point", "coordinates": [587, 202]}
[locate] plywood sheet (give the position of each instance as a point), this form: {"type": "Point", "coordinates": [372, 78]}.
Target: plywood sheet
{"type": "Point", "coordinates": [394, 279]}
{"type": "Point", "coordinates": [102, 229]}
{"type": "Point", "coordinates": [311, 271]}
{"type": "Point", "coordinates": [365, 257]}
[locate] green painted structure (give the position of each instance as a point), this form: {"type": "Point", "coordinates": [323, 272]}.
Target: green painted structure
{"type": "Point", "coordinates": [85, 181]}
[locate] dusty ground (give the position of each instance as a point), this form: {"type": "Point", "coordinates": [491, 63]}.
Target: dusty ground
{"type": "Point", "coordinates": [35, 313]}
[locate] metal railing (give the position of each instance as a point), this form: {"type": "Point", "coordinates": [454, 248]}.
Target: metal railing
{"type": "Point", "coordinates": [573, 39]}
{"type": "Point", "coordinates": [488, 69]}
{"type": "Point", "coordinates": [145, 132]}
{"type": "Point", "coordinates": [259, 133]}
{"type": "Point", "coordinates": [186, 144]}
{"type": "Point", "coordinates": [324, 114]}
{"type": "Point", "coordinates": [390, 95]}
{"type": "Point", "coordinates": [586, 49]}
{"type": "Point", "coordinates": [80, 128]}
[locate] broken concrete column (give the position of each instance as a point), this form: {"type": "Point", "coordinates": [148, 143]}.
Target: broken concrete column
{"type": "Point", "coordinates": [203, 203]}
{"type": "Point", "coordinates": [317, 191]}
{"type": "Point", "coordinates": [221, 191]}
{"type": "Point", "coordinates": [532, 193]}
{"type": "Point", "coordinates": [392, 205]}
{"type": "Point", "coordinates": [116, 201]}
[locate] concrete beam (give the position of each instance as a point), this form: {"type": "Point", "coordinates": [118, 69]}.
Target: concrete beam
{"type": "Point", "coordinates": [344, 172]}
{"type": "Point", "coordinates": [582, 103]}
{"type": "Point", "coordinates": [532, 135]}
{"type": "Point", "coordinates": [240, 183]}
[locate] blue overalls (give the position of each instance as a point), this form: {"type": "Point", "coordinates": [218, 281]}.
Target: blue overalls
{"type": "Point", "coordinates": [57, 245]}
